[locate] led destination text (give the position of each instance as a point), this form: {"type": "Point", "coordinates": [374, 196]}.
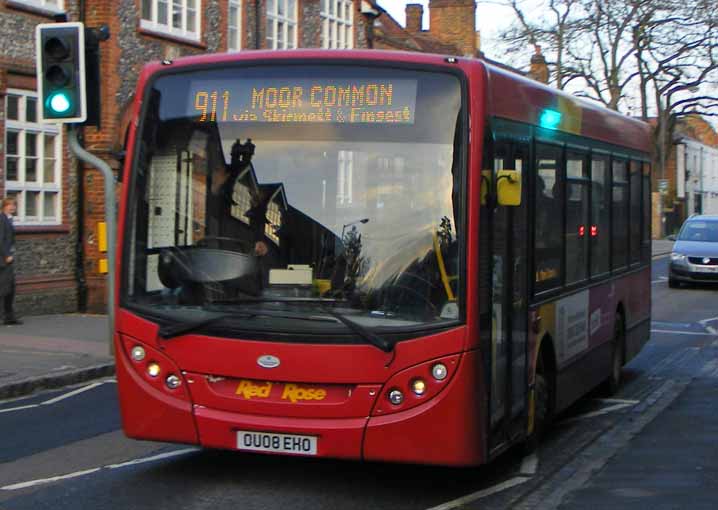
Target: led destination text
{"type": "Point", "coordinates": [361, 102]}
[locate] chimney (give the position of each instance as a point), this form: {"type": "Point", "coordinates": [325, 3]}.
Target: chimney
{"type": "Point", "coordinates": [414, 16]}
{"type": "Point", "coordinates": [454, 22]}
{"type": "Point", "coordinates": [539, 69]}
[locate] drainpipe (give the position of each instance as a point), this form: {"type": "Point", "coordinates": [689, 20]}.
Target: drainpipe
{"type": "Point", "coordinates": [257, 12]}
{"type": "Point", "coordinates": [79, 243]}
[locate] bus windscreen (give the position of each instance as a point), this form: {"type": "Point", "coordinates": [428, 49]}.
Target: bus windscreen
{"type": "Point", "coordinates": [330, 183]}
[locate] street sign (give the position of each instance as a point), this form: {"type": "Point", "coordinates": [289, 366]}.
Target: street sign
{"type": "Point", "coordinates": [663, 185]}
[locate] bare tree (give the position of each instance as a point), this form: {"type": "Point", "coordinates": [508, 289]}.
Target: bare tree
{"type": "Point", "coordinates": [678, 48]}
{"type": "Point", "coordinates": [549, 24]}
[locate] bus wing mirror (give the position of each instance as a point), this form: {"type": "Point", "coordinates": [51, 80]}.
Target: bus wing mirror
{"type": "Point", "coordinates": [485, 186]}
{"type": "Point", "coordinates": [508, 187]}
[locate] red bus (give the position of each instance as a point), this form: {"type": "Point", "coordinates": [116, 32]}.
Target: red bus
{"type": "Point", "coordinates": [373, 255]}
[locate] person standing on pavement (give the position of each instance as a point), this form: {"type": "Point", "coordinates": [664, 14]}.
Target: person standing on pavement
{"type": "Point", "coordinates": [7, 260]}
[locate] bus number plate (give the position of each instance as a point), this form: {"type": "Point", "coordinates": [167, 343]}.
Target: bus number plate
{"type": "Point", "coordinates": [279, 443]}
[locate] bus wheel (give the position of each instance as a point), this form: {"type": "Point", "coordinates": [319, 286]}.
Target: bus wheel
{"type": "Point", "coordinates": [541, 406]}
{"type": "Point", "coordinates": [618, 355]}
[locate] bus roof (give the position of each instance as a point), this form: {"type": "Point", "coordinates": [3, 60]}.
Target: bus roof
{"type": "Point", "coordinates": [514, 97]}
{"type": "Point", "coordinates": [508, 95]}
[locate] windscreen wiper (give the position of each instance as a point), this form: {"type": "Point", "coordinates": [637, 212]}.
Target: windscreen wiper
{"type": "Point", "coordinates": [371, 337]}
{"type": "Point", "coordinates": [181, 328]}
{"type": "Point", "coordinates": [177, 329]}
{"type": "Point", "coordinates": [367, 335]}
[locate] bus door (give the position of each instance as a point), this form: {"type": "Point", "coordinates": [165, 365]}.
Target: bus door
{"type": "Point", "coordinates": [508, 230]}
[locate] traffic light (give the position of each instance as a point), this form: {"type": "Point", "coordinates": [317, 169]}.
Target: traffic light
{"type": "Point", "coordinates": [60, 49]}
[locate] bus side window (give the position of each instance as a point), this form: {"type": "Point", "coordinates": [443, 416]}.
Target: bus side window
{"type": "Point", "coordinates": [600, 230]}
{"type": "Point", "coordinates": [577, 230]}
{"type": "Point", "coordinates": [619, 218]}
{"type": "Point", "coordinates": [548, 218]}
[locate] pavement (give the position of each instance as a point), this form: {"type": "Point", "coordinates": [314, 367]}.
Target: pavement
{"type": "Point", "coordinates": [52, 351]}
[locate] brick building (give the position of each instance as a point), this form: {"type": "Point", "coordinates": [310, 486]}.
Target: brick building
{"type": "Point", "coordinates": [61, 201]}
{"type": "Point", "coordinates": [36, 168]}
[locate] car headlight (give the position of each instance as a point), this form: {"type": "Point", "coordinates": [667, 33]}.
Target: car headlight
{"type": "Point", "coordinates": [678, 257]}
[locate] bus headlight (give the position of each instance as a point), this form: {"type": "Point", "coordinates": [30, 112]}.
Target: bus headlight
{"type": "Point", "coordinates": [396, 397]}
{"type": "Point", "coordinates": [418, 387]}
{"type": "Point", "coordinates": [153, 369]}
{"type": "Point", "coordinates": [138, 353]}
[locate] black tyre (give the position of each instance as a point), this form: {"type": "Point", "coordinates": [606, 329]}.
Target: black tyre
{"type": "Point", "coordinates": [618, 356]}
{"type": "Point", "coordinates": [673, 283]}
{"type": "Point", "coordinates": [542, 413]}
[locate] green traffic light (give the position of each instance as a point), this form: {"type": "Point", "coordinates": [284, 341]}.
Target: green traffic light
{"type": "Point", "coordinates": [59, 103]}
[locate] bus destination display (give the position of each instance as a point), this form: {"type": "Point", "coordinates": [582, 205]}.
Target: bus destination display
{"type": "Point", "coordinates": [300, 101]}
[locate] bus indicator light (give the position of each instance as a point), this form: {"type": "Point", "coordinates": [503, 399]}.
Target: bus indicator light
{"type": "Point", "coordinates": [396, 397]}
{"type": "Point", "coordinates": [138, 353]}
{"type": "Point", "coordinates": [550, 119]}
{"type": "Point", "coordinates": [173, 382]}
{"type": "Point", "coordinates": [439, 371]}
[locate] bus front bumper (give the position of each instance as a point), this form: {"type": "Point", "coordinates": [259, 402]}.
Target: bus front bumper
{"type": "Point", "coordinates": [444, 430]}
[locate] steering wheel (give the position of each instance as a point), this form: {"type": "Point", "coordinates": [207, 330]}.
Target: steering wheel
{"type": "Point", "coordinates": [207, 241]}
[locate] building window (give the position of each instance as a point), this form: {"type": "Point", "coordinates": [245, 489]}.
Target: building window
{"type": "Point", "coordinates": [281, 24]}
{"type": "Point", "coordinates": [274, 222]}
{"type": "Point", "coordinates": [234, 31]}
{"type": "Point", "coordinates": [179, 18]}
{"type": "Point", "coordinates": [337, 28]}
{"type": "Point", "coordinates": [33, 161]}
{"type": "Point", "coordinates": [242, 199]}
{"type": "Point", "coordinates": [43, 5]}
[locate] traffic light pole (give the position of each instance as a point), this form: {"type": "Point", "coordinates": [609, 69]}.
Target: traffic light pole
{"type": "Point", "coordinates": [110, 219]}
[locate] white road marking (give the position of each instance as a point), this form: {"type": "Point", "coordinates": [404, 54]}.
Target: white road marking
{"type": "Point", "coordinates": [58, 398]}
{"type": "Point", "coordinates": [513, 482]}
{"type": "Point", "coordinates": [673, 332]}
{"type": "Point", "coordinates": [72, 393]}
{"type": "Point", "coordinates": [63, 367]}
{"type": "Point", "coordinates": [151, 459]}
{"type": "Point", "coordinates": [32, 483]}
{"type": "Point", "coordinates": [617, 401]}
{"type": "Point", "coordinates": [593, 414]}
{"type": "Point", "coordinates": [20, 408]}
{"type": "Point", "coordinates": [710, 329]}
{"type": "Point", "coordinates": [529, 465]}
{"type": "Point", "coordinates": [661, 279]}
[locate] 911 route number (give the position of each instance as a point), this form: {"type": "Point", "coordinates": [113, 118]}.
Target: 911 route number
{"type": "Point", "coordinates": [279, 443]}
